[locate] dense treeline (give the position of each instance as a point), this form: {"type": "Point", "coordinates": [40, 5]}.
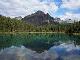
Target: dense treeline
{"type": "Point", "coordinates": [73, 28]}
{"type": "Point", "coordinates": [8, 24]}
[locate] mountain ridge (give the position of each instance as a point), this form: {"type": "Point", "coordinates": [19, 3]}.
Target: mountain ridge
{"type": "Point", "coordinates": [39, 18]}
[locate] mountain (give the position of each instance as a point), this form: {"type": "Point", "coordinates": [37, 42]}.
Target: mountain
{"type": "Point", "coordinates": [19, 17]}
{"type": "Point", "coordinates": [39, 18]}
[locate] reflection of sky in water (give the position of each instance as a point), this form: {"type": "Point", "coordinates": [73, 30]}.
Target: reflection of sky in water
{"type": "Point", "coordinates": [66, 51]}
{"type": "Point", "coordinates": [61, 52]}
{"type": "Point", "coordinates": [37, 42]}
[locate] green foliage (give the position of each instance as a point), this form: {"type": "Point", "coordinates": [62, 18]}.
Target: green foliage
{"type": "Point", "coordinates": [73, 28]}
{"type": "Point", "coordinates": [12, 25]}
{"type": "Point", "coordinates": [8, 24]}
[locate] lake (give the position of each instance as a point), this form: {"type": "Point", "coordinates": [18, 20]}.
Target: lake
{"type": "Point", "coordinates": [60, 44]}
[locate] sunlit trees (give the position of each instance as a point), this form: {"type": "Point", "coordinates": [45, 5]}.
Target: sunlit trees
{"type": "Point", "coordinates": [8, 24]}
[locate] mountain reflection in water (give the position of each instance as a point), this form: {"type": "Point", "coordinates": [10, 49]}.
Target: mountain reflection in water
{"type": "Point", "coordinates": [62, 52]}
{"type": "Point", "coordinates": [38, 41]}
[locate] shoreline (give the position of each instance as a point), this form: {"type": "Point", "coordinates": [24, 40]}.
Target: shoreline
{"type": "Point", "coordinates": [35, 32]}
{"type": "Point", "coordinates": [31, 32]}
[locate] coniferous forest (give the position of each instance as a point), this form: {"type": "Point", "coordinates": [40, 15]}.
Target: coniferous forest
{"type": "Point", "coordinates": [8, 24]}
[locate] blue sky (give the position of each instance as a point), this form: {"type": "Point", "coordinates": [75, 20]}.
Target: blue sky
{"type": "Point", "coordinates": [56, 8]}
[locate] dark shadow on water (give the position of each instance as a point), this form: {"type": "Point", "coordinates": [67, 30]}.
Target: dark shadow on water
{"type": "Point", "coordinates": [37, 42]}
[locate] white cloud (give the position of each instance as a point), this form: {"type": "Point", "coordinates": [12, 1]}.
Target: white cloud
{"type": "Point", "coordinates": [25, 7]}
{"type": "Point", "coordinates": [71, 4]}
{"type": "Point", "coordinates": [70, 16]}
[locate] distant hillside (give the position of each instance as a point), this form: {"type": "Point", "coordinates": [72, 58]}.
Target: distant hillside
{"type": "Point", "coordinates": [39, 18]}
{"type": "Point", "coordinates": [18, 18]}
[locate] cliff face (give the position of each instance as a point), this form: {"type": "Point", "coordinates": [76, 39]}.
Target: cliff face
{"type": "Point", "coordinates": [39, 18]}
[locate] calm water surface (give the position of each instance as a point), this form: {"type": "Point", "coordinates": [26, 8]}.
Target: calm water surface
{"type": "Point", "coordinates": [39, 47]}
{"type": "Point", "coordinates": [37, 42]}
